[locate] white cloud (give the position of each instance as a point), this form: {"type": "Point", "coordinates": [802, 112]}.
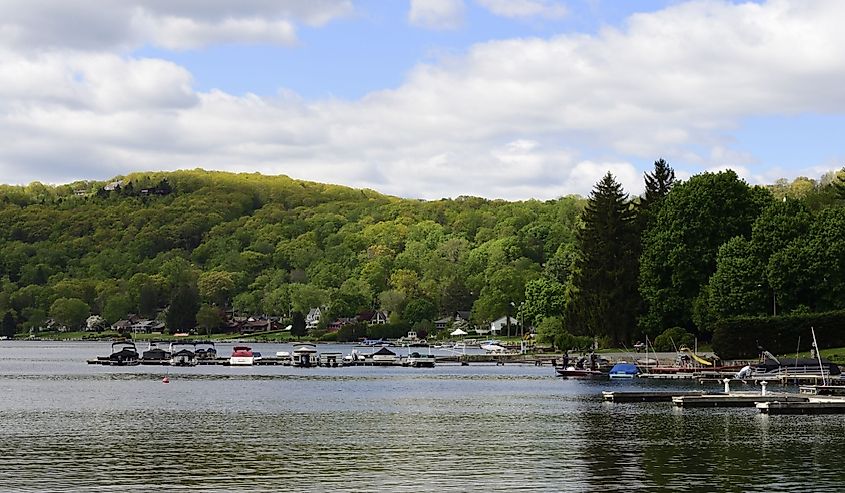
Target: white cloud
{"type": "Point", "coordinates": [179, 24]}
{"type": "Point", "coordinates": [436, 14]}
{"type": "Point", "coordinates": [512, 119]}
{"type": "Point", "coordinates": [525, 8]}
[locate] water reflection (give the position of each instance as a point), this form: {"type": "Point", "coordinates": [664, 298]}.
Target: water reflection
{"type": "Point", "coordinates": [71, 427]}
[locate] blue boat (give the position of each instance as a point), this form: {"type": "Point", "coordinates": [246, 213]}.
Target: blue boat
{"type": "Point", "coordinates": [624, 370]}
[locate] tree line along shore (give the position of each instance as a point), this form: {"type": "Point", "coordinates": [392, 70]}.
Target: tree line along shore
{"type": "Point", "coordinates": [710, 257]}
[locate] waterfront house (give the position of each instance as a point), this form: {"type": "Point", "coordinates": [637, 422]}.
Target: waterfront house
{"type": "Point", "coordinates": [379, 318]}
{"type": "Point", "coordinates": [312, 320]}
{"type": "Point", "coordinates": [253, 325]}
{"type": "Point", "coordinates": [121, 325]}
{"type": "Point", "coordinates": [442, 323]}
{"type": "Point", "coordinates": [144, 326]}
{"type": "Point", "coordinates": [501, 325]}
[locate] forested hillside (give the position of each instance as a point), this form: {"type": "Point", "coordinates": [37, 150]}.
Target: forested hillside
{"type": "Point", "coordinates": [194, 240]}
{"type": "Point", "coordinates": [190, 246]}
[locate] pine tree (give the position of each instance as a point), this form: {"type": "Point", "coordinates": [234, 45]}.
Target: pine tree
{"type": "Point", "coordinates": [605, 290]}
{"type": "Point", "coordinates": [658, 183]}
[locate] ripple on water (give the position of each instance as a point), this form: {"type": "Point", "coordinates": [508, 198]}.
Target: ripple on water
{"type": "Point", "coordinates": [450, 429]}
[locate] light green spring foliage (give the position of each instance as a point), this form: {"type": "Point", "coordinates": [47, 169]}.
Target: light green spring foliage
{"type": "Point", "coordinates": [267, 245]}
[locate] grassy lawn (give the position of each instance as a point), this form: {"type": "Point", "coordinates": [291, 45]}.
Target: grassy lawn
{"type": "Point", "coordinates": [835, 355]}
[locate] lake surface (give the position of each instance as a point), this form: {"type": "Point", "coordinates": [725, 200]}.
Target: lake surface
{"type": "Point", "coordinates": [69, 426]}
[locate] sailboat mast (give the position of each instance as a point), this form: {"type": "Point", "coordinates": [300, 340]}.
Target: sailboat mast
{"type": "Point", "coordinates": [818, 355]}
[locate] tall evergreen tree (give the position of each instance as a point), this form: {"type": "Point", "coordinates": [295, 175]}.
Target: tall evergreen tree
{"type": "Point", "coordinates": [605, 296]}
{"type": "Point", "coordinates": [658, 183]}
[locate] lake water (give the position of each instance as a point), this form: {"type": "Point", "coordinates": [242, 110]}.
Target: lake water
{"type": "Point", "coordinates": [69, 426]}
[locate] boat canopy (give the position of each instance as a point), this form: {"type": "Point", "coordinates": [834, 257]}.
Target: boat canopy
{"type": "Point", "coordinates": [624, 369]}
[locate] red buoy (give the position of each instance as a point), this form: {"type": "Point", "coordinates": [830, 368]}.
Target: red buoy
{"type": "Point", "coordinates": [165, 379]}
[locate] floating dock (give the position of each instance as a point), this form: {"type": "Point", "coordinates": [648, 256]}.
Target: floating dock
{"type": "Point", "coordinates": [736, 399]}
{"type": "Point", "coordinates": [668, 376]}
{"type": "Point", "coordinates": [663, 396]}
{"type": "Point", "coordinates": [823, 389]}
{"type": "Point", "coordinates": [812, 406]}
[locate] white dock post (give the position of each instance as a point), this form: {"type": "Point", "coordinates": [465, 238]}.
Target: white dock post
{"type": "Point", "coordinates": [763, 386]}
{"type": "Point", "coordinates": [727, 383]}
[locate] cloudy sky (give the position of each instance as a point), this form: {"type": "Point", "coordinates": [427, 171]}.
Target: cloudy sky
{"type": "Point", "coordinates": [509, 99]}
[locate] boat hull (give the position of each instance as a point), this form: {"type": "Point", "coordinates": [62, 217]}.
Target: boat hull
{"type": "Point", "coordinates": [241, 361]}
{"type": "Point", "coordinates": [570, 373]}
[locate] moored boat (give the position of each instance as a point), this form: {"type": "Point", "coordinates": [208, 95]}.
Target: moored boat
{"type": "Point", "coordinates": [623, 370]}
{"type": "Point", "coordinates": [304, 355]}
{"type": "Point", "coordinates": [154, 354]}
{"type": "Point", "coordinates": [330, 359]}
{"type": "Point", "coordinates": [418, 360]}
{"type": "Point", "coordinates": [241, 356]}
{"type": "Point", "coordinates": [183, 354]}
{"type": "Point", "coordinates": [573, 372]}
{"type": "Point", "coordinates": [384, 356]}
{"type": "Point", "coordinates": [205, 351]}
{"type": "Point", "coordinates": [123, 354]}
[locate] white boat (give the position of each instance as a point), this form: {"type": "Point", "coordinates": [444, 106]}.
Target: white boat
{"type": "Point", "coordinates": [305, 355]}
{"type": "Point", "coordinates": [417, 360]}
{"type": "Point", "coordinates": [466, 344]}
{"type": "Point", "coordinates": [384, 356]}
{"type": "Point", "coordinates": [242, 356]}
{"type": "Point", "coordinates": [493, 348]}
{"type": "Point", "coordinates": [411, 340]}
{"type": "Point", "coordinates": [284, 357]}
{"type": "Point", "coordinates": [330, 359]}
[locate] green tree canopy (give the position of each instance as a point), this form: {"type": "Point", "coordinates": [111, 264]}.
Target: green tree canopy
{"type": "Point", "coordinates": [70, 312]}
{"type": "Point", "coordinates": [681, 245]}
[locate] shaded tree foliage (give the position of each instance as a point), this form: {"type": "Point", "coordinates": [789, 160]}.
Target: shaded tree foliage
{"type": "Point", "coordinates": [605, 301]}
{"type": "Point", "coordinates": [681, 245]}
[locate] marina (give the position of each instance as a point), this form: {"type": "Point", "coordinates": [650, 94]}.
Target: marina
{"type": "Point", "coordinates": [248, 424]}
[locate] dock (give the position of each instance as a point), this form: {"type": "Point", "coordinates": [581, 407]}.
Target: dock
{"type": "Point", "coordinates": [659, 396]}
{"type": "Point", "coordinates": [668, 376]}
{"type": "Point", "coordinates": [736, 399]}
{"type": "Point", "coordinates": [811, 406]}
{"type": "Point", "coordinates": [822, 390]}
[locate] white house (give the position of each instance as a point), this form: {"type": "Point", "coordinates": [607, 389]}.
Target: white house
{"type": "Point", "coordinates": [312, 320]}
{"type": "Point", "coordinates": [501, 325]}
